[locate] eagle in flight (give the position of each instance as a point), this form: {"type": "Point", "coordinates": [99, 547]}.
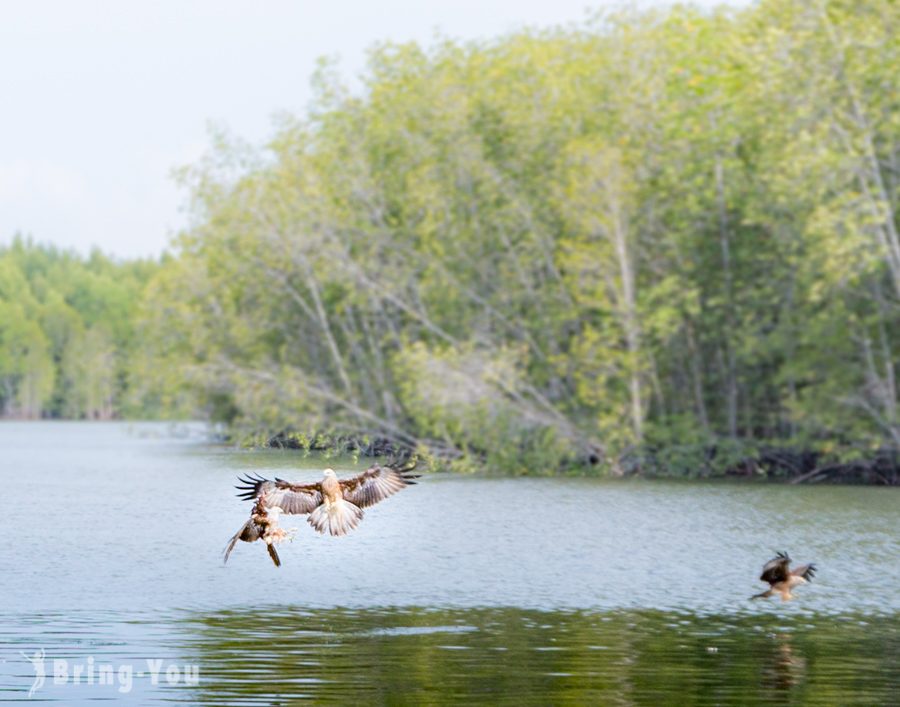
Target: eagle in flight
{"type": "Point", "coordinates": [782, 579]}
{"type": "Point", "coordinates": [333, 505]}
{"type": "Point", "coordinates": [262, 525]}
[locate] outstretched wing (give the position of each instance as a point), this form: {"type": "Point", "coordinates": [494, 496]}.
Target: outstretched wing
{"type": "Point", "coordinates": [253, 487]}
{"type": "Point", "coordinates": [776, 569]}
{"type": "Point", "coordinates": [805, 571]}
{"type": "Point", "coordinates": [292, 499]}
{"type": "Point", "coordinates": [376, 484]}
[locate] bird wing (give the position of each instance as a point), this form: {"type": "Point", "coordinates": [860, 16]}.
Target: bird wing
{"type": "Point", "coordinates": [776, 569]}
{"type": "Point", "coordinates": [292, 499]}
{"type": "Point", "coordinates": [376, 484]}
{"type": "Point", "coordinates": [252, 487]}
{"type": "Point", "coordinates": [805, 571]}
{"type": "Point", "coordinates": [247, 533]}
{"type": "Point", "coordinates": [230, 546]}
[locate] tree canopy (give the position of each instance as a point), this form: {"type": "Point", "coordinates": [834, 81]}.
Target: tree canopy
{"type": "Point", "coordinates": [655, 231]}
{"type": "Point", "coordinates": [67, 332]}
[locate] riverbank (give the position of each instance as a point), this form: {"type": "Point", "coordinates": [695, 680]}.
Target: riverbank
{"type": "Point", "coordinates": [780, 464]}
{"type": "Point", "coordinates": [726, 460]}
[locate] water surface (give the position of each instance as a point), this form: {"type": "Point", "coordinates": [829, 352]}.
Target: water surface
{"type": "Point", "coordinates": [467, 588]}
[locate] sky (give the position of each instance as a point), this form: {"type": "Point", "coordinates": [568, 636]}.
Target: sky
{"type": "Point", "coordinates": [101, 99]}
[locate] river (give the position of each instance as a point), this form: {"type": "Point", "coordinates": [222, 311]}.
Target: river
{"type": "Point", "coordinates": [474, 589]}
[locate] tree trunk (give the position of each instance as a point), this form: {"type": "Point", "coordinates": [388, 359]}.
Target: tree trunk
{"type": "Point", "coordinates": [731, 387]}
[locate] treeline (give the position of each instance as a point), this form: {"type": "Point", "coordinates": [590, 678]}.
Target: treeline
{"type": "Point", "coordinates": [664, 239]}
{"type": "Point", "coordinates": [623, 242]}
{"type": "Point", "coordinates": [66, 332]}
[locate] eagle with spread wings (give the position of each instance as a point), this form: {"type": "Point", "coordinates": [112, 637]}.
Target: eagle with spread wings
{"type": "Point", "coordinates": [782, 579]}
{"type": "Point", "coordinates": [333, 505]}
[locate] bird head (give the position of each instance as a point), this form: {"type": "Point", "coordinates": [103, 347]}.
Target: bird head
{"type": "Point", "coordinates": [329, 474]}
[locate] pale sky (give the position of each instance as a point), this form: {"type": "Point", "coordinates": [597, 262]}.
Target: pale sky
{"type": "Point", "coordinates": [100, 99]}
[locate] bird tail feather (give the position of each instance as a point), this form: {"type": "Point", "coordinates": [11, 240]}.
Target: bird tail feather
{"type": "Point", "coordinates": [273, 554]}
{"type": "Point", "coordinates": [337, 518]}
{"type": "Point", "coordinates": [763, 595]}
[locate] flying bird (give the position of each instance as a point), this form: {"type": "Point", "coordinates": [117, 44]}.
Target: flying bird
{"type": "Point", "coordinates": [262, 525]}
{"type": "Point", "coordinates": [334, 505]}
{"type": "Point", "coordinates": [782, 579]}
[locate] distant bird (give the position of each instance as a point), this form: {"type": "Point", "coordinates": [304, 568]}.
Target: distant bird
{"type": "Point", "coordinates": [334, 505]}
{"type": "Point", "coordinates": [781, 579]}
{"type": "Point", "coordinates": [262, 525]}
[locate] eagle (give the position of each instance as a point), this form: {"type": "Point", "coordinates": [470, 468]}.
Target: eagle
{"type": "Point", "coordinates": [782, 579]}
{"type": "Point", "coordinates": [262, 525]}
{"type": "Point", "coordinates": [333, 505]}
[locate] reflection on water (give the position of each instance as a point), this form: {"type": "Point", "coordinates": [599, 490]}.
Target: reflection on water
{"type": "Point", "coordinates": [256, 657]}
{"type": "Point", "coordinates": [787, 667]}
{"type": "Point", "coordinates": [277, 655]}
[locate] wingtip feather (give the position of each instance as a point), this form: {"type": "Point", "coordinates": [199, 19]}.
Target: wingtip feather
{"type": "Point", "coordinates": [249, 486]}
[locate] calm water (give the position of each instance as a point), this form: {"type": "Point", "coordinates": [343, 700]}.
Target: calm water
{"type": "Point", "coordinates": [467, 589]}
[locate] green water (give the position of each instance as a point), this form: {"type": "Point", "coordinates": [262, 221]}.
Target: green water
{"type": "Point", "coordinates": [487, 655]}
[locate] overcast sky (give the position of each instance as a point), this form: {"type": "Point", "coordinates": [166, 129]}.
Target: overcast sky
{"type": "Point", "coordinates": [101, 99]}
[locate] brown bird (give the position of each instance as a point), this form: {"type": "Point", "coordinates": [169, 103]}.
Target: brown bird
{"type": "Point", "coordinates": [334, 505]}
{"type": "Point", "coordinates": [782, 579]}
{"type": "Point", "coordinates": [262, 525]}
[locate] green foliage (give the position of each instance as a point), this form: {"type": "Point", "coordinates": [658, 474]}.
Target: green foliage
{"type": "Point", "coordinates": [647, 237]}
{"type": "Point", "coordinates": [668, 235]}
{"type": "Point", "coordinates": [66, 331]}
